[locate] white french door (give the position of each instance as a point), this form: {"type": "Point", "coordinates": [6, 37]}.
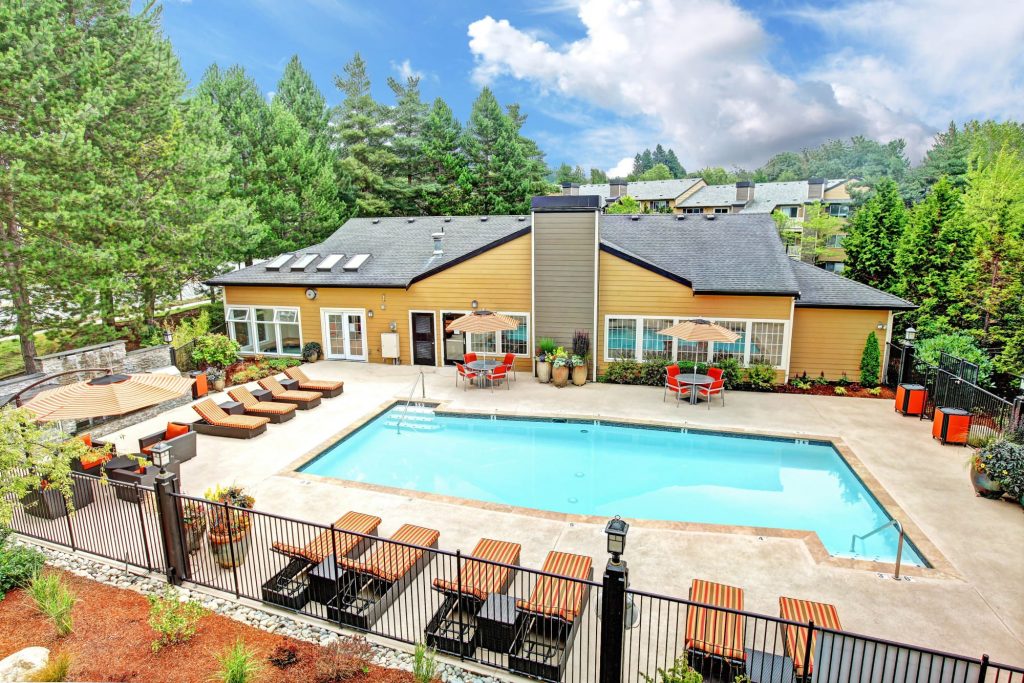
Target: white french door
{"type": "Point", "coordinates": [344, 334]}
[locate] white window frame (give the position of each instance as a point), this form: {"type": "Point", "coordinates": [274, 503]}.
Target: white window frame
{"type": "Point", "coordinates": [638, 342]}
{"type": "Point", "coordinates": [251, 322]}
{"type": "Point", "coordinates": [693, 210]}
{"type": "Point", "coordinates": [498, 351]}
{"type": "Point", "coordinates": [841, 214]}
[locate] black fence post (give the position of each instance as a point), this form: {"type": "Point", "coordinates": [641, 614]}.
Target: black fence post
{"type": "Point", "coordinates": [613, 624]}
{"type": "Point", "coordinates": [808, 652]}
{"type": "Point", "coordinates": [906, 362]}
{"type": "Point", "coordinates": [167, 514]}
{"type": "Point", "coordinates": [1017, 419]}
{"type": "Point", "coordinates": [174, 356]}
{"type": "Point", "coordinates": [983, 669]}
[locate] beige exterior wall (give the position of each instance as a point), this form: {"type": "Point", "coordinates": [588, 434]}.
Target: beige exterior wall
{"type": "Point", "coordinates": [686, 195]}
{"type": "Point", "coordinates": [838, 192]}
{"type": "Point", "coordinates": [831, 340]}
{"type": "Point", "coordinates": [628, 289]}
{"type": "Point", "coordinates": [498, 279]}
{"type": "Point", "coordinates": [563, 273]}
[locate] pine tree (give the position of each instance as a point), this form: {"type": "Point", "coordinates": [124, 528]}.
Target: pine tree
{"type": "Point", "coordinates": [872, 237]}
{"type": "Point", "coordinates": [672, 161]}
{"type": "Point", "coordinates": [567, 174]}
{"type": "Point", "coordinates": [364, 138]}
{"type": "Point", "coordinates": [407, 120]}
{"type": "Point", "coordinates": [445, 164]}
{"type": "Point", "coordinates": [870, 361]}
{"type": "Point", "coordinates": [299, 94]}
{"type": "Point", "coordinates": [479, 142]}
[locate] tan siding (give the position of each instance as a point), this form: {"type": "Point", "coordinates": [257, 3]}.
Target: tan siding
{"type": "Point", "coordinates": [831, 340]}
{"type": "Point", "coordinates": [686, 195]}
{"type": "Point", "coordinates": [838, 192]}
{"type": "Point", "coordinates": [498, 279]}
{"type": "Point", "coordinates": [564, 274]}
{"type": "Point", "coordinates": [628, 289]}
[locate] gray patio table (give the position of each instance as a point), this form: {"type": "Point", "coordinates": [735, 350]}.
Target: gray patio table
{"type": "Point", "coordinates": [693, 379]}
{"type": "Point", "coordinates": [483, 366]}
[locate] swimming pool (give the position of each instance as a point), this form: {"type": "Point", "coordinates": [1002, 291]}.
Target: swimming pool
{"type": "Point", "coordinates": [598, 468]}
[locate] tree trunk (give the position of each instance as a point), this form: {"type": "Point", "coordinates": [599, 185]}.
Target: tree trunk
{"type": "Point", "coordinates": [24, 325]}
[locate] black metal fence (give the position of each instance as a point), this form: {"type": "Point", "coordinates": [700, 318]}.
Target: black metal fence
{"type": "Point", "coordinates": [181, 356]}
{"type": "Point", "coordinates": [530, 622]}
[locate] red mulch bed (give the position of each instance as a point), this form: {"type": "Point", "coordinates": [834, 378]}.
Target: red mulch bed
{"type": "Point", "coordinates": [854, 390]}
{"type": "Point", "coordinates": [111, 641]}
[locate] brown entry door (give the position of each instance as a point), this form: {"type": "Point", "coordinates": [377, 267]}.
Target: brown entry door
{"type": "Point", "coordinates": [424, 351]}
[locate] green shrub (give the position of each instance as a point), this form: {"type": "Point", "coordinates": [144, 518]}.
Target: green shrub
{"type": "Point", "coordinates": [18, 563]}
{"type": "Point", "coordinates": [839, 391]}
{"type": "Point", "coordinates": [875, 391]}
{"type": "Point", "coordinates": [870, 361]}
{"type": "Point", "coordinates": [54, 599]}
{"type": "Point", "coordinates": [820, 380]}
{"type": "Point", "coordinates": [56, 668]}
{"type": "Point", "coordinates": [844, 381]}
{"type": "Point", "coordinates": [761, 377]}
{"type": "Point", "coordinates": [801, 383]}
{"type": "Point", "coordinates": [1003, 461]}
{"type": "Point", "coordinates": [238, 664]}
{"type": "Point", "coordinates": [732, 373]}
{"type": "Point", "coordinates": [174, 621]}
{"type": "Point", "coordinates": [189, 329]}
{"type": "Point", "coordinates": [959, 344]}
{"type": "Point", "coordinates": [547, 345]}
{"type": "Point", "coordinates": [681, 672]}
{"type": "Point", "coordinates": [692, 366]}
{"type": "Point", "coordinates": [279, 364]}
{"type": "Point", "coordinates": [424, 664]}
{"type": "Point", "coordinates": [215, 350]}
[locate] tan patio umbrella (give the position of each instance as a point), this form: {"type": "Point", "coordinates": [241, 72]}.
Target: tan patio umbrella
{"type": "Point", "coordinates": [105, 396]}
{"type": "Point", "coordinates": [700, 330]}
{"type": "Point", "coordinates": [482, 321]}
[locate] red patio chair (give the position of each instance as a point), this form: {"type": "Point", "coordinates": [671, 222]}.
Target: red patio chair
{"type": "Point", "coordinates": [469, 358]}
{"type": "Point", "coordinates": [716, 388]}
{"type": "Point", "coordinates": [672, 384]}
{"type": "Point", "coordinates": [715, 373]}
{"type": "Point", "coordinates": [510, 361]}
{"type": "Point", "coordinates": [466, 375]}
{"type": "Point", "coordinates": [500, 372]}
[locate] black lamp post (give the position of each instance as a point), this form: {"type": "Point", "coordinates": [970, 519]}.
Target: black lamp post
{"type": "Point", "coordinates": [616, 529]}
{"type": "Point", "coordinates": [613, 602]}
{"type": "Point", "coordinates": [161, 455]}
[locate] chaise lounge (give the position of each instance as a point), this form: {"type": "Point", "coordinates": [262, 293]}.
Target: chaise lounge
{"type": "Point", "coordinates": [486, 571]}
{"type": "Point", "coordinates": [795, 637]}
{"type": "Point", "coordinates": [352, 534]}
{"type": "Point", "coordinates": [366, 589]}
{"type": "Point", "coordinates": [327, 388]}
{"type": "Point", "coordinates": [303, 400]}
{"type": "Point", "coordinates": [272, 410]}
{"type": "Point", "coordinates": [548, 621]}
{"type": "Point", "coordinates": [716, 636]}
{"type": "Point", "coordinates": [215, 422]}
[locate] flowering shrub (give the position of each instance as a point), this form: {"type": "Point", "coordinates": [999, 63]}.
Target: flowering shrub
{"type": "Point", "coordinates": [1003, 461]}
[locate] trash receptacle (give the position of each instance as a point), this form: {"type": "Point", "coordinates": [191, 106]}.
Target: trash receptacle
{"type": "Point", "coordinates": [910, 399]}
{"type": "Point", "coordinates": [952, 425]}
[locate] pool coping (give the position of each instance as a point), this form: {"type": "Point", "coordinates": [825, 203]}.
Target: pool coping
{"type": "Point", "coordinates": [940, 568]}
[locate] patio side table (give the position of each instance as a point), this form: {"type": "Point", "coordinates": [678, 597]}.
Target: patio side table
{"type": "Point", "coordinates": [290, 384]}
{"type": "Point", "coordinates": [233, 408]}
{"type": "Point", "coordinates": [496, 622]}
{"type": "Point", "coordinates": [262, 395]}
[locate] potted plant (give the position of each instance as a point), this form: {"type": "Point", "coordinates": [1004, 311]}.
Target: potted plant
{"type": "Point", "coordinates": [215, 376]}
{"type": "Point", "coordinates": [230, 524]}
{"type": "Point", "coordinates": [545, 351]}
{"type": "Point", "coordinates": [987, 465]}
{"type": "Point", "coordinates": [579, 370]}
{"type": "Point", "coordinates": [194, 521]}
{"type": "Point", "coordinates": [560, 367]}
{"type": "Point", "coordinates": [312, 351]}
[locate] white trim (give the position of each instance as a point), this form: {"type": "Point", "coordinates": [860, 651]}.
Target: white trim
{"type": "Point", "coordinates": [788, 343]}
{"type": "Point", "coordinates": [412, 344]}
{"type": "Point", "coordinates": [533, 291]}
{"type": "Point", "coordinates": [252, 322]}
{"type": "Point", "coordinates": [597, 265]}
{"type": "Point", "coordinates": [497, 336]}
{"type": "Point", "coordinates": [324, 312]}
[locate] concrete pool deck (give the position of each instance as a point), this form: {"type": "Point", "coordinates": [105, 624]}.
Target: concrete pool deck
{"type": "Point", "coordinates": [974, 605]}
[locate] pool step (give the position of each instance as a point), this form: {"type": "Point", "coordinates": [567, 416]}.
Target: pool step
{"type": "Point", "coordinates": [413, 425]}
{"type": "Point", "coordinates": [413, 418]}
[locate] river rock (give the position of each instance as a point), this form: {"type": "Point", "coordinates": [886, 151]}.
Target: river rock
{"type": "Point", "coordinates": [21, 664]}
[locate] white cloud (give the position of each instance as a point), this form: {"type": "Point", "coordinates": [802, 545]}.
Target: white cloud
{"type": "Point", "coordinates": [405, 71]}
{"type": "Point", "coordinates": [621, 169]}
{"type": "Point", "coordinates": [697, 72]}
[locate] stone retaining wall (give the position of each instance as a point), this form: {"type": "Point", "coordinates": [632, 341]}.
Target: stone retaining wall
{"type": "Point", "coordinates": [147, 359]}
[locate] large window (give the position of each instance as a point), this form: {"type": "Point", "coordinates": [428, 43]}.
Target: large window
{"type": "Point", "coordinates": [266, 330]}
{"type": "Point", "coordinates": [835, 241]}
{"type": "Point", "coordinates": [721, 209]}
{"type": "Point", "coordinates": [839, 210]}
{"type": "Point", "coordinates": [693, 209]}
{"type": "Point", "coordinates": [515, 341]}
{"type": "Point", "coordinates": [638, 338]}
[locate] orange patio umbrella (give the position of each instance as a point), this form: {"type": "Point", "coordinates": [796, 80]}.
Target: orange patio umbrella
{"type": "Point", "coordinates": [700, 330]}
{"type": "Point", "coordinates": [106, 396]}
{"type": "Point", "coordinates": [482, 321]}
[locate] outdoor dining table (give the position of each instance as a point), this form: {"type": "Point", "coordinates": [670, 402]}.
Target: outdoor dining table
{"type": "Point", "coordinates": [694, 379]}
{"type": "Point", "coordinates": [483, 366]}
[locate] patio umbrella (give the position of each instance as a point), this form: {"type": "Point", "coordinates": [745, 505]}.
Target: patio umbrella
{"type": "Point", "coordinates": [700, 330]}
{"type": "Point", "coordinates": [105, 396]}
{"type": "Point", "coordinates": [482, 321]}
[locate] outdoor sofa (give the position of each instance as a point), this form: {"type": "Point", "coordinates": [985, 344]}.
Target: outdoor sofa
{"type": "Point", "coordinates": [178, 435]}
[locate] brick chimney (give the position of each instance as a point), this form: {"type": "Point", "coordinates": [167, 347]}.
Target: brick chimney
{"type": "Point", "coordinates": [570, 189]}
{"type": "Point", "coordinates": [744, 191]}
{"type": "Point", "coordinates": [617, 188]}
{"type": "Point", "coordinates": [815, 189]}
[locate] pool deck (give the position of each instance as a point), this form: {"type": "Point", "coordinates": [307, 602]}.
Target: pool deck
{"type": "Point", "coordinates": [973, 602]}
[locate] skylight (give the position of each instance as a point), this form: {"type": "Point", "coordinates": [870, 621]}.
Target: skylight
{"type": "Point", "coordinates": [356, 261]}
{"type": "Point", "coordinates": [304, 261]}
{"type": "Point", "coordinates": [278, 262]}
{"type": "Point", "coordinates": [329, 262]}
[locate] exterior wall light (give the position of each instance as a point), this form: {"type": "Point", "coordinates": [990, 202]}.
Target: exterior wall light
{"type": "Point", "coordinates": [910, 334]}
{"type": "Point", "coordinates": [168, 337]}
{"type": "Point", "coordinates": [369, 313]}
{"type": "Point", "coordinates": [474, 304]}
{"type": "Point", "coordinates": [616, 531]}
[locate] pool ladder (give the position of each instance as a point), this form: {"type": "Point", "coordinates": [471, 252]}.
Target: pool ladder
{"type": "Point", "coordinates": [899, 548]}
{"type": "Point", "coordinates": [422, 382]}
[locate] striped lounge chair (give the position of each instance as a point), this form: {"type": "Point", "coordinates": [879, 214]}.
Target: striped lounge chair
{"type": "Point", "coordinates": [795, 637]}
{"type": "Point", "coordinates": [327, 388]}
{"type": "Point", "coordinates": [551, 616]}
{"type": "Point", "coordinates": [303, 400]}
{"type": "Point", "coordinates": [713, 635]}
{"type": "Point", "coordinates": [368, 587]}
{"type": "Point", "coordinates": [456, 633]}
{"type": "Point", "coordinates": [216, 422]}
{"type": "Point", "coordinates": [272, 410]}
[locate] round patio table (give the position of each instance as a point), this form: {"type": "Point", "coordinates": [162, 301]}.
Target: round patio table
{"type": "Point", "coordinates": [483, 366]}
{"type": "Point", "coordinates": [694, 379]}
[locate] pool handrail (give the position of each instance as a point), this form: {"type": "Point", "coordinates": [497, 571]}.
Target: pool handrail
{"type": "Point", "coordinates": [899, 547]}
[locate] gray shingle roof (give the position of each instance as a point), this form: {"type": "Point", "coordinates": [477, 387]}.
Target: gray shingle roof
{"type": "Point", "coordinates": [822, 289]}
{"type": "Point", "coordinates": [766, 196]}
{"type": "Point", "coordinates": [400, 251]}
{"type": "Point", "coordinates": [733, 253]}
{"type": "Point", "coordinates": [645, 189]}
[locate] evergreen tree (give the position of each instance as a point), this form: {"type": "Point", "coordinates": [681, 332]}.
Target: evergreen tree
{"type": "Point", "coordinates": [479, 143]}
{"type": "Point", "coordinates": [787, 166]}
{"type": "Point", "coordinates": [408, 117]}
{"type": "Point", "coordinates": [714, 175]}
{"type": "Point", "coordinates": [816, 232]}
{"type": "Point", "coordinates": [299, 94]}
{"type": "Point", "coordinates": [364, 138]}
{"type": "Point", "coordinates": [445, 165]}
{"type": "Point", "coordinates": [872, 237]}
{"type": "Point", "coordinates": [672, 161]}
{"type": "Point", "coordinates": [947, 158]}
{"type": "Point", "coordinates": [598, 176]}
{"type": "Point", "coordinates": [567, 174]}
{"type": "Point", "coordinates": [537, 170]}
{"type": "Point", "coordinates": [932, 251]}
{"type": "Point", "coordinates": [870, 361]}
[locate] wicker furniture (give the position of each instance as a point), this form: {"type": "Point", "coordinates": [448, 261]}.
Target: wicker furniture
{"type": "Point", "coordinates": [327, 388]}
{"type": "Point", "coordinates": [275, 412]}
{"type": "Point", "coordinates": [182, 443]}
{"type": "Point", "coordinates": [215, 422]}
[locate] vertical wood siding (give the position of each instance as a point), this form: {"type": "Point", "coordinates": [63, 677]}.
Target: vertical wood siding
{"type": "Point", "coordinates": [831, 340]}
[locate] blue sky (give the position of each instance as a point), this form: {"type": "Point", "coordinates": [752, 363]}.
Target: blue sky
{"type": "Point", "coordinates": [723, 82]}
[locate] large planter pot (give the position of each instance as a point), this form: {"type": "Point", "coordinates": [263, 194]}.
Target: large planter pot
{"type": "Point", "coordinates": [579, 375]}
{"type": "Point", "coordinates": [218, 385]}
{"type": "Point", "coordinates": [229, 549]}
{"type": "Point", "coordinates": [543, 372]}
{"type": "Point", "coordinates": [560, 376]}
{"type": "Point", "coordinates": [984, 485]}
{"type": "Point", "coordinates": [194, 535]}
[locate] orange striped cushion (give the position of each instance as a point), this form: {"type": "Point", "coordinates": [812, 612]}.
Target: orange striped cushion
{"type": "Point", "coordinates": [210, 411]}
{"type": "Point", "coordinates": [243, 396]}
{"type": "Point", "coordinates": [272, 385]}
{"type": "Point", "coordinates": [391, 561]}
{"type": "Point", "coordinates": [299, 395]}
{"type": "Point", "coordinates": [480, 579]}
{"type": "Point", "coordinates": [320, 385]}
{"type": "Point", "coordinates": [296, 373]}
{"type": "Point", "coordinates": [559, 597]}
{"type": "Point", "coordinates": [271, 408]}
{"type": "Point", "coordinates": [320, 547]}
{"type": "Point", "coordinates": [709, 630]}
{"type": "Point", "coordinates": [795, 639]}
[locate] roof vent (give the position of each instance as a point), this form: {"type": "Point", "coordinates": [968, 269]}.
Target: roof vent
{"type": "Point", "coordinates": [411, 220]}
{"type": "Point", "coordinates": [634, 217]}
{"type": "Point", "coordinates": [304, 261]}
{"type": "Point", "coordinates": [376, 221]}
{"type": "Point", "coordinates": [355, 262]}
{"type": "Point", "coordinates": [278, 262]}
{"type": "Point", "coordinates": [438, 236]}
{"type": "Point", "coordinates": [681, 217]}
{"type": "Point", "coordinates": [447, 219]}
{"type": "Point", "coordinates": [709, 216]}
{"type": "Point", "coordinates": [483, 219]}
{"type": "Point", "coordinates": [520, 218]}
{"type": "Point", "coordinates": [329, 262]}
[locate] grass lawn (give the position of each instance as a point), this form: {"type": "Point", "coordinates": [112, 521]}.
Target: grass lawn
{"type": "Point", "coordinates": [10, 354]}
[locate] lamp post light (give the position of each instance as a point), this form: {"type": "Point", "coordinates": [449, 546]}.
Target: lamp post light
{"type": "Point", "coordinates": [168, 337]}
{"type": "Point", "coordinates": [909, 335]}
{"type": "Point", "coordinates": [616, 530]}
{"type": "Point", "coordinates": [617, 612]}
{"type": "Point", "coordinates": [161, 455]}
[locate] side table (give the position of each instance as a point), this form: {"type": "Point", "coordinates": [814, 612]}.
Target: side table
{"type": "Point", "coordinates": [496, 622]}
{"type": "Point", "coordinates": [290, 384]}
{"type": "Point", "coordinates": [233, 408]}
{"type": "Point", "coordinates": [262, 395]}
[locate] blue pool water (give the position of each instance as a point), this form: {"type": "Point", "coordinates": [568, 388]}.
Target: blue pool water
{"type": "Point", "coordinates": [603, 469]}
